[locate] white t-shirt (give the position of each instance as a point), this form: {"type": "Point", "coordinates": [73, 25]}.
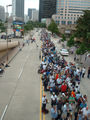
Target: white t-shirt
{"type": "Point", "coordinates": [44, 100]}
{"type": "Point", "coordinates": [83, 70]}
{"type": "Point", "coordinates": [85, 112]}
{"type": "Point", "coordinates": [78, 71]}
{"type": "Point", "coordinates": [54, 97]}
{"type": "Point", "coordinates": [77, 88]}
{"type": "Point", "coordinates": [44, 67]}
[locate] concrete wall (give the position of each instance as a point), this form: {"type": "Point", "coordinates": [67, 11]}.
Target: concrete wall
{"type": "Point", "coordinates": [3, 45]}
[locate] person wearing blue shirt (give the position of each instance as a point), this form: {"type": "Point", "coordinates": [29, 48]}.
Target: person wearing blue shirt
{"type": "Point", "coordinates": [54, 113]}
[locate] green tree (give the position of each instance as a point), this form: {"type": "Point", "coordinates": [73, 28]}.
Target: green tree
{"type": "Point", "coordinates": [30, 25]}
{"type": "Point", "coordinates": [53, 27]}
{"type": "Point", "coordinates": [81, 50]}
{"type": "Point", "coordinates": [63, 38]}
{"type": "Point", "coordinates": [83, 27]}
{"type": "Point", "coordinates": [2, 28]}
{"type": "Point", "coordinates": [70, 42]}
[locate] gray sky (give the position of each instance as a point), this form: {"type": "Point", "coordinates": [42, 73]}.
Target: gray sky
{"type": "Point", "coordinates": [28, 4]}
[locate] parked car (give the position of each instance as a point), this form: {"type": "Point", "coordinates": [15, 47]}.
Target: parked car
{"type": "Point", "coordinates": [64, 52]}
{"type": "Point", "coordinates": [88, 55]}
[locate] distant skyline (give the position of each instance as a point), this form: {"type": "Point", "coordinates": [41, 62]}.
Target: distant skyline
{"type": "Point", "coordinates": [28, 4]}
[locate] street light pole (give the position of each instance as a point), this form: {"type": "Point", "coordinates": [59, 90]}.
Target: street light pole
{"type": "Point", "coordinates": [7, 28]}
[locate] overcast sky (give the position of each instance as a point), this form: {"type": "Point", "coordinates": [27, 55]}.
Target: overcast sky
{"type": "Point", "coordinates": [28, 4]}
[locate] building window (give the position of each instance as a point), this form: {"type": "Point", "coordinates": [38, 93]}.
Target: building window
{"type": "Point", "coordinates": [75, 22]}
{"type": "Point", "coordinates": [69, 22]}
{"type": "Point", "coordinates": [61, 12]}
{"type": "Point", "coordinates": [56, 21]}
{"type": "Point", "coordinates": [63, 22]}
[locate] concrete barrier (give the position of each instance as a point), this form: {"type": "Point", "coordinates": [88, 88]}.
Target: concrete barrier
{"type": "Point", "coordinates": [3, 45]}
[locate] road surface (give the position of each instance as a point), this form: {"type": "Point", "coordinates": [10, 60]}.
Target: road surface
{"type": "Point", "coordinates": [20, 86]}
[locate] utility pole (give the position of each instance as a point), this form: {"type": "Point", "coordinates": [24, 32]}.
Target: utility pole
{"type": "Point", "coordinates": [7, 28]}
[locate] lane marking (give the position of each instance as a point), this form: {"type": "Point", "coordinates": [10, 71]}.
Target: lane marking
{"type": "Point", "coordinates": [4, 112]}
{"type": "Point", "coordinates": [22, 68]}
{"type": "Point", "coordinates": [44, 113]}
{"type": "Point", "coordinates": [20, 74]}
{"type": "Point", "coordinates": [41, 99]}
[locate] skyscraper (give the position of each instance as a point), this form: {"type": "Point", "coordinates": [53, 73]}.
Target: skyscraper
{"type": "Point", "coordinates": [47, 8]}
{"type": "Point", "coordinates": [68, 11]}
{"type": "Point", "coordinates": [18, 8]}
{"type": "Point", "coordinates": [2, 13]}
{"type": "Point", "coordinates": [35, 15]}
{"type": "Point", "coordinates": [30, 11]}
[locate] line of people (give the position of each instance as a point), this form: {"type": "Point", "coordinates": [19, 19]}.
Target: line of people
{"type": "Point", "coordinates": [62, 80]}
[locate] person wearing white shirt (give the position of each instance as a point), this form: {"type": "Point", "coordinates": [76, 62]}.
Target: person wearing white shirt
{"type": "Point", "coordinates": [85, 112]}
{"type": "Point", "coordinates": [78, 71]}
{"type": "Point", "coordinates": [83, 72]}
{"type": "Point", "coordinates": [44, 66]}
{"type": "Point", "coordinates": [53, 99]}
{"type": "Point", "coordinates": [44, 102]}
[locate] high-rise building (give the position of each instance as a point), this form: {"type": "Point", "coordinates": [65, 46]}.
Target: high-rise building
{"type": "Point", "coordinates": [35, 15]}
{"type": "Point", "coordinates": [18, 8]}
{"type": "Point", "coordinates": [26, 18]}
{"type": "Point", "coordinates": [46, 8]}
{"type": "Point", "coordinates": [68, 11]}
{"type": "Point", "coordinates": [2, 13]}
{"type": "Point", "coordinates": [30, 11]}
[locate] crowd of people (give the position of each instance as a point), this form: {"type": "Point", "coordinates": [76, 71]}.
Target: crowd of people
{"type": "Point", "coordinates": [62, 80]}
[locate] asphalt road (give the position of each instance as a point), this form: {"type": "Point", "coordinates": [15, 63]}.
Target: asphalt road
{"type": "Point", "coordinates": [20, 86]}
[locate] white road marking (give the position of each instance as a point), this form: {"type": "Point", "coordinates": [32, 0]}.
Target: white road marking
{"type": "Point", "coordinates": [4, 112]}
{"type": "Point", "coordinates": [22, 68]}
{"type": "Point", "coordinates": [20, 73]}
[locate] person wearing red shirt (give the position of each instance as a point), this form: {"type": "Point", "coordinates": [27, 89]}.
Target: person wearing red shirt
{"type": "Point", "coordinates": [57, 76]}
{"type": "Point", "coordinates": [63, 88]}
